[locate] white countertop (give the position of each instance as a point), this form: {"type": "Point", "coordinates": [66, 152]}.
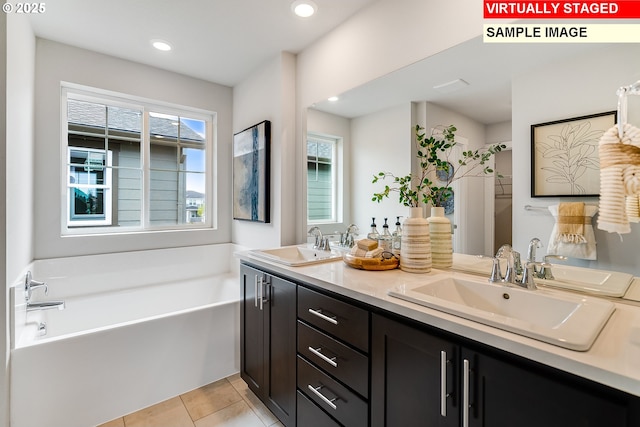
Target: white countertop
{"type": "Point", "coordinates": [613, 360]}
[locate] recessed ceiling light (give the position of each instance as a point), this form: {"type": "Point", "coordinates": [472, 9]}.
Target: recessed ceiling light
{"type": "Point", "coordinates": [304, 8]}
{"type": "Point", "coordinates": [161, 45]}
{"type": "Point", "coordinates": [333, 99]}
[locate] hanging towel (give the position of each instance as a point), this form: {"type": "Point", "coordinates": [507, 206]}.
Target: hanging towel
{"type": "Point", "coordinates": [584, 250]}
{"type": "Point", "coordinates": [571, 222]}
{"type": "Point", "coordinates": [619, 176]}
{"type": "Point", "coordinates": [633, 208]}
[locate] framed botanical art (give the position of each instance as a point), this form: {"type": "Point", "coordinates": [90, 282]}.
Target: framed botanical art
{"type": "Point", "coordinates": [564, 156]}
{"type": "Point", "coordinates": [251, 172]}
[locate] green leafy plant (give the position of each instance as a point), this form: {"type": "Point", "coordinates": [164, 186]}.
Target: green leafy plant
{"type": "Point", "coordinates": [434, 154]}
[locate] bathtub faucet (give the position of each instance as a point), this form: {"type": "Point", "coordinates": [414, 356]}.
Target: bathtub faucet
{"type": "Point", "coordinates": [30, 285]}
{"type": "Point", "coordinates": [48, 305]}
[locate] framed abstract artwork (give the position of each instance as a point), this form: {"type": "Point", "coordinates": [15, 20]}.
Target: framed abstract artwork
{"type": "Point", "coordinates": [251, 172]}
{"type": "Point", "coordinates": [564, 156]}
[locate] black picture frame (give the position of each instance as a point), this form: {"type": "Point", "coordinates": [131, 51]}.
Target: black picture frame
{"type": "Point", "coordinates": [564, 156]}
{"type": "Point", "coordinates": [251, 173]}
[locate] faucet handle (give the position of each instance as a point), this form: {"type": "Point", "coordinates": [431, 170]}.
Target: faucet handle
{"type": "Point", "coordinates": [30, 285]}
{"type": "Point", "coordinates": [512, 272]}
{"type": "Point", "coordinates": [496, 274]}
{"type": "Point", "coordinates": [545, 270]}
{"type": "Point", "coordinates": [527, 277]}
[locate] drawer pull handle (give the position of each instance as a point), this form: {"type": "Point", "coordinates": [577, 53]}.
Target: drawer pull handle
{"type": "Point", "coordinates": [325, 399]}
{"type": "Point", "coordinates": [330, 360]}
{"type": "Point", "coordinates": [332, 319]}
{"type": "Point", "coordinates": [443, 383]}
{"type": "Point", "coordinates": [465, 393]}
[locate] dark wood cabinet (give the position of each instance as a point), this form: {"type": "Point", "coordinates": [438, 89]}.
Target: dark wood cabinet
{"type": "Point", "coordinates": [318, 359]}
{"type": "Point", "coordinates": [419, 379]}
{"type": "Point", "coordinates": [414, 377]}
{"type": "Point", "coordinates": [268, 341]}
{"type": "Point", "coordinates": [503, 394]}
{"type": "Point", "coordinates": [333, 358]}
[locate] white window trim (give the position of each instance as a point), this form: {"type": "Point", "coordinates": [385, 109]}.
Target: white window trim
{"type": "Point", "coordinates": [336, 177]}
{"type": "Point", "coordinates": [90, 94]}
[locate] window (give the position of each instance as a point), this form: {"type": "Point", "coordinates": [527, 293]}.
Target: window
{"type": "Point", "coordinates": [322, 197]}
{"type": "Point", "coordinates": [133, 164]}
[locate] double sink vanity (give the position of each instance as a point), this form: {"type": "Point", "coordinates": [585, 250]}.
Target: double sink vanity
{"type": "Point", "coordinates": [323, 344]}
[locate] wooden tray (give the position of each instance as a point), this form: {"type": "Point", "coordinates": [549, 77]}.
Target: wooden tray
{"type": "Point", "coordinates": [375, 264]}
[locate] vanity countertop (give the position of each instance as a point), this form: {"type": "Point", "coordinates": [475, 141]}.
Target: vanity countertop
{"type": "Point", "coordinates": [613, 359]}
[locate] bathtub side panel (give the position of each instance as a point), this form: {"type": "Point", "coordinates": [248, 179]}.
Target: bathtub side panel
{"type": "Point", "coordinates": [91, 379]}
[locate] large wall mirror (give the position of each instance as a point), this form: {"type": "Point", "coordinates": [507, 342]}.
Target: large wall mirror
{"type": "Point", "coordinates": [477, 87]}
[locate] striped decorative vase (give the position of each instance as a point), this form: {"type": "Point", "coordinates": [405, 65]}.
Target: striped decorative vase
{"type": "Point", "coordinates": [441, 242]}
{"type": "Point", "coordinates": [415, 250]}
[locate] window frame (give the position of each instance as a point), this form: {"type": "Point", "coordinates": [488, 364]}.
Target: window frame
{"type": "Point", "coordinates": [107, 186]}
{"type": "Point", "coordinates": [147, 106]}
{"type": "Point", "coordinates": [336, 186]}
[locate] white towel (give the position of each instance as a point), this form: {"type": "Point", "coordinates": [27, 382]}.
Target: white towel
{"type": "Point", "coordinates": [633, 208]}
{"type": "Point", "coordinates": [586, 250]}
{"type": "Point", "coordinates": [619, 176]}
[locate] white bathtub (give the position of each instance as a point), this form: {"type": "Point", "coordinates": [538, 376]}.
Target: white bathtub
{"type": "Point", "coordinates": [138, 328]}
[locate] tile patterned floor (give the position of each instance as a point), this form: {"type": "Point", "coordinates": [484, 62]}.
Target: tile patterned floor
{"type": "Point", "coordinates": [224, 403]}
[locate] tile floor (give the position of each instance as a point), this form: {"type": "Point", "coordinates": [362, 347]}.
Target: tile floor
{"type": "Point", "coordinates": [224, 403]}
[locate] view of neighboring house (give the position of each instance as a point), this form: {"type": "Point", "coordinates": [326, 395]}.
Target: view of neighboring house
{"type": "Point", "coordinates": [106, 174]}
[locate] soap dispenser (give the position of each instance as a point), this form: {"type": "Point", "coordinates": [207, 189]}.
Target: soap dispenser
{"type": "Point", "coordinates": [373, 234]}
{"type": "Point", "coordinates": [384, 241]}
{"type": "Point", "coordinates": [396, 238]}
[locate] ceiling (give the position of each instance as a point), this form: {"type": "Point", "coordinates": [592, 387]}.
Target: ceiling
{"type": "Point", "coordinates": [221, 41]}
{"type": "Point", "coordinates": [224, 41]}
{"type": "Point", "coordinates": [488, 68]}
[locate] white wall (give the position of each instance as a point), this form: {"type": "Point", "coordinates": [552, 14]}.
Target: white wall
{"type": "Point", "coordinates": [20, 69]}
{"type": "Point", "coordinates": [339, 127]}
{"type": "Point", "coordinates": [57, 62]}
{"type": "Point", "coordinates": [579, 86]}
{"type": "Point", "coordinates": [384, 37]}
{"type": "Point", "coordinates": [269, 94]}
{"type": "Point", "coordinates": [4, 298]}
{"type": "Point", "coordinates": [381, 142]}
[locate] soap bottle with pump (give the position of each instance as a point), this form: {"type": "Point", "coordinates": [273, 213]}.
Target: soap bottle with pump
{"type": "Point", "coordinates": [373, 234]}
{"type": "Point", "coordinates": [385, 239]}
{"type": "Point", "coordinates": [396, 238]}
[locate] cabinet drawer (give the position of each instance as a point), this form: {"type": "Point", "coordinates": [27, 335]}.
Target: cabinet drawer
{"type": "Point", "coordinates": [337, 318]}
{"type": "Point", "coordinates": [335, 358]}
{"type": "Point", "coordinates": [344, 405]}
{"type": "Point", "coordinates": [309, 415]}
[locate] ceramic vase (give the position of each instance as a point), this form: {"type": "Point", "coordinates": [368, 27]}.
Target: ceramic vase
{"type": "Point", "coordinates": [441, 241]}
{"type": "Point", "coordinates": [415, 249]}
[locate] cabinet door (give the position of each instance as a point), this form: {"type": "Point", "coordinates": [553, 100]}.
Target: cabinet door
{"type": "Point", "coordinates": [502, 394]}
{"type": "Point", "coordinates": [413, 377]}
{"type": "Point", "coordinates": [280, 305]}
{"type": "Point", "coordinates": [252, 329]}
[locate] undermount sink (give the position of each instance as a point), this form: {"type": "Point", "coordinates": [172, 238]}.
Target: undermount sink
{"type": "Point", "coordinates": [566, 320]}
{"type": "Point", "coordinates": [297, 255]}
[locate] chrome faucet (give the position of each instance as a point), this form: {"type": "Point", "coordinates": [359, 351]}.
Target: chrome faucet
{"type": "Point", "coordinates": [315, 231]}
{"type": "Point", "coordinates": [513, 265]}
{"type": "Point", "coordinates": [47, 305]}
{"type": "Point", "coordinates": [352, 230]}
{"type": "Point", "coordinates": [545, 271]}
{"type": "Point", "coordinates": [531, 252]}
{"type": "Point", "coordinates": [30, 285]}
{"type": "Point", "coordinates": [527, 276]}
{"type": "Point", "coordinates": [321, 242]}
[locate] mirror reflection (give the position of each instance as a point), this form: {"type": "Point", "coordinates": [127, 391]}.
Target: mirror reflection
{"type": "Point", "coordinates": [492, 93]}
